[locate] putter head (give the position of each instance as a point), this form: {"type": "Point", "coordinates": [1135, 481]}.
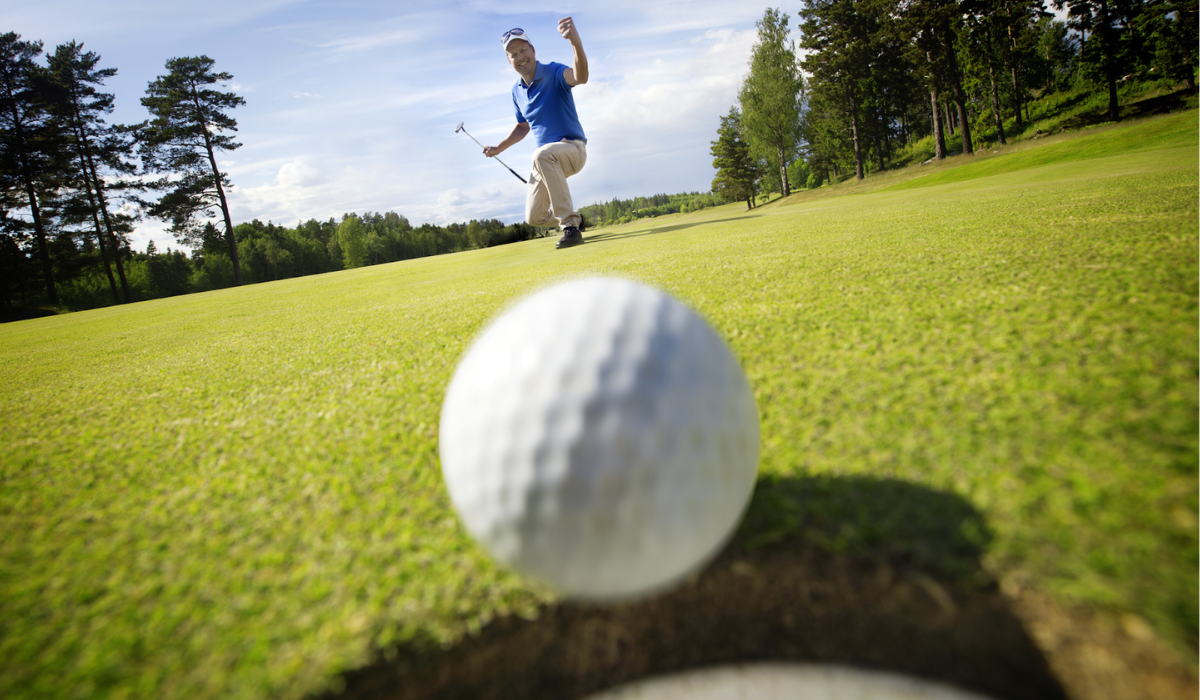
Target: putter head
{"type": "Point", "coordinates": [458, 128]}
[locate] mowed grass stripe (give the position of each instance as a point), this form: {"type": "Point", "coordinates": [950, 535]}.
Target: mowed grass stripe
{"type": "Point", "coordinates": [1107, 141]}
{"type": "Point", "coordinates": [237, 494]}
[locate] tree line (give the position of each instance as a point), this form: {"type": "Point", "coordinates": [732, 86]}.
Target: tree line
{"type": "Point", "coordinates": [72, 186]}
{"type": "Point", "coordinates": [621, 211]}
{"type": "Point", "coordinates": [870, 78]}
{"type": "Point", "coordinates": [269, 252]}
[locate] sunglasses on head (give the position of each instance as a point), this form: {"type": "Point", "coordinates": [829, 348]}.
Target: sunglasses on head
{"type": "Point", "coordinates": [512, 32]}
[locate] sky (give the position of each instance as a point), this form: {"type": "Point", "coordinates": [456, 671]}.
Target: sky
{"type": "Point", "coordinates": [351, 106]}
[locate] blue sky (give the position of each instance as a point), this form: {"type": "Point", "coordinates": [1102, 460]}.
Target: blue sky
{"type": "Point", "coordinates": [351, 106]}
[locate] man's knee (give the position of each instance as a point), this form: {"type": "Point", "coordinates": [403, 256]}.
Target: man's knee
{"type": "Point", "coordinates": [543, 158]}
{"type": "Point", "coordinates": [539, 216]}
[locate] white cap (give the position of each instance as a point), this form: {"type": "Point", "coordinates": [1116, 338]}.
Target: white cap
{"type": "Point", "coordinates": [512, 34]}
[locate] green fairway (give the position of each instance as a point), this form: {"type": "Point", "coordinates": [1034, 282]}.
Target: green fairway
{"type": "Point", "coordinates": [237, 494]}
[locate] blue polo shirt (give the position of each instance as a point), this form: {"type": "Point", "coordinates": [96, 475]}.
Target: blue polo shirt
{"type": "Point", "coordinates": [547, 105]}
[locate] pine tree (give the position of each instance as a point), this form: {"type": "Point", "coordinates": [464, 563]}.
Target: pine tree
{"type": "Point", "coordinates": [979, 59]}
{"type": "Point", "coordinates": [188, 127]}
{"type": "Point", "coordinates": [93, 145]}
{"type": "Point", "coordinates": [932, 27]}
{"type": "Point", "coordinates": [835, 33]}
{"type": "Point", "coordinates": [1100, 18]}
{"type": "Point", "coordinates": [29, 142]}
{"type": "Point", "coordinates": [736, 172]}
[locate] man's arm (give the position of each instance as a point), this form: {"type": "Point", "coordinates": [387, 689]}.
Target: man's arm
{"type": "Point", "coordinates": [520, 131]}
{"type": "Point", "coordinates": [577, 74]}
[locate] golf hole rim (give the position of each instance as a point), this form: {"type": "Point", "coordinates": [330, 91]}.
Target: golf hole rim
{"type": "Point", "coordinates": [796, 680]}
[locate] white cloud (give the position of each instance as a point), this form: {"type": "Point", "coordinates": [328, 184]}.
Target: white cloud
{"type": "Point", "coordinates": [452, 198]}
{"type": "Point", "coordinates": [299, 173]}
{"type": "Point", "coordinates": [151, 230]}
{"type": "Point", "coordinates": [371, 40]}
{"type": "Point", "coordinates": [649, 129]}
{"type": "Point", "coordinates": [457, 206]}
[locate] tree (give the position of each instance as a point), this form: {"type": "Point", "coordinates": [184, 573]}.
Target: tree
{"type": "Point", "coordinates": [1056, 51]}
{"type": "Point", "coordinates": [352, 236]}
{"type": "Point", "coordinates": [979, 48]}
{"type": "Point", "coordinates": [736, 171]}
{"type": "Point", "coordinates": [932, 26]}
{"type": "Point", "coordinates": [188, 127]}
{"type": "Point", "coordinates": [28, 141]}
{"type": "Point", "coordinates": [772, 96]}
{"type": "Point", "coordinates": [835, 33]}
{"type": "Point", "coordinates": [1170, 27]}
{"type": "Point", "coordinates": [1016, 19]}
{"type": "Point", "coordinates": [80, 107]}
{"type": "Point", "coordinates": [1098, 17]}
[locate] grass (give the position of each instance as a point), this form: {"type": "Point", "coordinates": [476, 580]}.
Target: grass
{"type": "Point", "coordinates": [237, 494]}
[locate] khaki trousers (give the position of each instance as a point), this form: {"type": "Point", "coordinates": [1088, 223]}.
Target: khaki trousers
{"type": "Point", "coordinates": [549, 200]}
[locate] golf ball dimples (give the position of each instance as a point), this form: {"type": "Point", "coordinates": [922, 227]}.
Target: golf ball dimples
{"type": "Point", "coordinates": [599, 436]}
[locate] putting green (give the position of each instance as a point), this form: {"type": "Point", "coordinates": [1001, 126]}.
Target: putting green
{"type": "Point", "coordinates": [237, 494]}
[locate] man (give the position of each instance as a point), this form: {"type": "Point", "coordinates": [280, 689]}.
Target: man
{"type": "Point", "coordinates": [543, 102]}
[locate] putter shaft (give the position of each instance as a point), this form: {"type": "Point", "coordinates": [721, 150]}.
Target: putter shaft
{"type": "Point", "coordinates": [514, 172]}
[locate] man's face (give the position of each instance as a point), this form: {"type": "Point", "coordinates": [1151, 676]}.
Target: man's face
{"type": "Point", "coordinates": [521, 57]}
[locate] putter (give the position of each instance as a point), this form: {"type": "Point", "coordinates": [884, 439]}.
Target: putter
{"type": "Point", "coordinates": [460, 128]}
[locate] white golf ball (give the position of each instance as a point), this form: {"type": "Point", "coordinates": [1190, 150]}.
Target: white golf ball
{"type": "Point", "coordinates": [600, 437]}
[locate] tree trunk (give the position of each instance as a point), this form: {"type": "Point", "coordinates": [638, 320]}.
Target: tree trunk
{"type": "Point", "coordinates": [35, 211]}
{"type": "Point", "coordinates": [233, 251]}
{"type": "Point", "coordinates": [112, 283]}
{"type": "Point", "coordinates": [1082, 45]}
{"type": "Point", "coordinates": [40, 234]}
{"type": "Point", "coordinates": [784, 185]}
{"type": "Point", "coordinates": [875, 136]}
{"type": "Point", "coordinates": [939, 137]}
{"type": "Point", "coordinates": [960, 100]}
{"type": "Point", "coordinates": [229, 237]}
{"type": "Point", "coordinates": [1110, 68]}
{"type": "Point", "coordinates": [90, 173]}
{"type": "Point", "coordinates": [858, 160]}
{"type": "Point", "coordinates": [964, 124]}
{"type": "Point", "coordinates": [92, 180]}
{"type": "Point", "coordinates": [112, 237]}
{"type": "Point", "coordinates": [1012, 62]}
{"type": "Point", "coordinates": [995, 92]}
{"type": "Point", "coordinates": [108, 224]}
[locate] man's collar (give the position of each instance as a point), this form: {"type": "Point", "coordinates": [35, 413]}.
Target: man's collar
{"type": "Point", "coordinates": [537, 73]}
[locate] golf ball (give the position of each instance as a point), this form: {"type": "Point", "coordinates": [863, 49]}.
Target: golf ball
{"type": "Point", "coordinates": [599, 436]}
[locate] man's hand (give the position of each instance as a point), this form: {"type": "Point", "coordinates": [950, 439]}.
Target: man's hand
{"type": "Point", "coordinates": [577, 73]}
{"type": "Point", "coordinates": [566, 27]}
{"type": "Point", "coordinates": [519, 131]}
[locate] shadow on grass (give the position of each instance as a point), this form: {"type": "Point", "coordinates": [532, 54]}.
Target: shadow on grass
{"type": "Point", "coordinates": [24, 313]}
{"type": "Point", "coordinates": [1159, 104]}
{"type": "Point", "coordinates": [605, 237]}
{"type": "Point", "coordinates": [870, 572]}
